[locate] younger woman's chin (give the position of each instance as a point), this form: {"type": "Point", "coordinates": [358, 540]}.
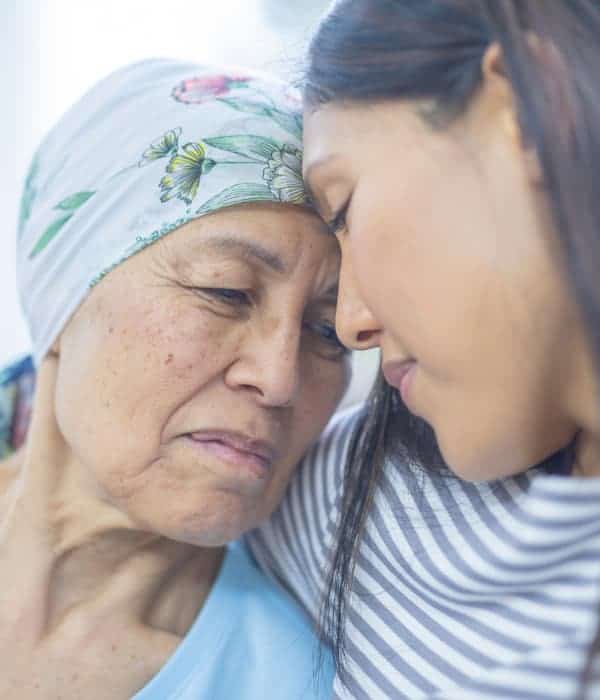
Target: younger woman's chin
{"type": "Point", "coordinates": [481, 466]}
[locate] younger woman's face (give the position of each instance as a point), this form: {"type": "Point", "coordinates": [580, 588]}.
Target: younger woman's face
{"type": "Point", "coordinates": [197, 373]}
{"type": "Point", "coordinates": [450, 265]}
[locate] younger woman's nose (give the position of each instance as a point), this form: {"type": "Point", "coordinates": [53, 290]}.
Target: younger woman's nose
{"type": "Point", "coordinates": [356, 326]}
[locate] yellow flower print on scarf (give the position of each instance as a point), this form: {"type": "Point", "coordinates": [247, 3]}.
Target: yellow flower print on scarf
{"type": "Point", "coordinates": [184, 173]}
{"type": "Point", "coordinates": [165, 146]}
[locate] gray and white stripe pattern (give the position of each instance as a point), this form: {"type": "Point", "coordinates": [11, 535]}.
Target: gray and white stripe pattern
{"type": "Point", "coordinates": [462, 591]}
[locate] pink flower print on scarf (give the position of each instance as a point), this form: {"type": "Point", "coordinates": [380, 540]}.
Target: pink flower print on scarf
{"type": "Point", "coordinates": [198, 90]}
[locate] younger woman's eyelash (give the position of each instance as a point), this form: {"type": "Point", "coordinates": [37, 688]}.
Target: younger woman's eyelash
{"type": "Point", "coordinates": [339, 220]}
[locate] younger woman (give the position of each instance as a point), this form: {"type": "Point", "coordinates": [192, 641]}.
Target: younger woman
{"type": "Point", "coordinates": [454, 148]}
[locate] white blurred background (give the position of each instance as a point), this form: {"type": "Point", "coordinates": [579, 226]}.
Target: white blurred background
{"type": "Point", "coordinates": [51, 51]}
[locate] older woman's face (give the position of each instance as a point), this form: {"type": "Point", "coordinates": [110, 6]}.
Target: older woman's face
{"type": "Point", "coordinates": [197, 373]}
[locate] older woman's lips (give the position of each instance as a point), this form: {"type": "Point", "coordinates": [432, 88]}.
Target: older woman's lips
{"type": "Point", "coordinates": [400, 375]}
{"type": "Point", "coordinates": [237, 449]}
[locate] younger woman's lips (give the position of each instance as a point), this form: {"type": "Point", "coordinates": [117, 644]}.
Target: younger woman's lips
{"type": "Point", "coordinates": [400, 375]}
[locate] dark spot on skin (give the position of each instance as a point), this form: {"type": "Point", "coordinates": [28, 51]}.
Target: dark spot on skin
{"type": "Point", "coordinates": [169, 359]}
{"type": "Point", "coordinates": [111, 330]}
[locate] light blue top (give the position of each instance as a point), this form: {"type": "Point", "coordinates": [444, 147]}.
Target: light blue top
{"type": "Point", "coordinates": [250, 641]}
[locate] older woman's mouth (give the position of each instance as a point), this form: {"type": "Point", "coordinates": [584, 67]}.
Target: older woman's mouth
{"type": "Point", "coordinates": [258, 456]}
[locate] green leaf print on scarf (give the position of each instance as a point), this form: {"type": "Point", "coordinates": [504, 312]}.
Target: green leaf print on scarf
{"type": "Point", "coordinates": [289, 122]}
{"type": "Point", "coordinates": [237, 194]}
{"type": "Point", "coordinates": [283, 167]}
{"type": "Point", "coordinates": [74, 201]}
{"type": "Point", "coordinates": [257, 148]}
{"type": "Point", "coordinates": [29, 194]}
{"type": "Point", "coordinates": [69, 204]}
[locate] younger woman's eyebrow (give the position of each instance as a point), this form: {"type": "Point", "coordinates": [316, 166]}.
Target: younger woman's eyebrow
{"type": "Point", "coordinates": [246, 249]}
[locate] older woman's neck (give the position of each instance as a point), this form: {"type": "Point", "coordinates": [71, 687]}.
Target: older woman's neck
{"type": "Point", "coordinates": [76, 548]}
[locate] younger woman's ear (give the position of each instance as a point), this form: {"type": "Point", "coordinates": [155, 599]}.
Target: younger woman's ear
{"type": "Point", "coordinates": [505, 112]}
{"type": "Point", "coordinates": [554, 85]}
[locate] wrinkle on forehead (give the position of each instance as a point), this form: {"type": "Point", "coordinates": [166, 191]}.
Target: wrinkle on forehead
{"type": "Point", "coordinates": [249, 250]}
{"type": "Point", "coordinates": [243, 247]}
{"type": "Point", "coordinates": [284, 248]}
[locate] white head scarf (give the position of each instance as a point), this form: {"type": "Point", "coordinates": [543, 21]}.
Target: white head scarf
{"type": "Point", "coordinates": [148, 149]}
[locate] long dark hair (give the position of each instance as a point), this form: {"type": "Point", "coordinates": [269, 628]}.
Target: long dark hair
{"type": "Point", "coordinates": [370, 50]}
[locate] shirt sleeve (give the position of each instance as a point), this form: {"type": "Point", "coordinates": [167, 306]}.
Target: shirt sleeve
{"type": "Point", "coordinates": [294, 546]}
{"type": "Point", "coordinates": [17, 383]}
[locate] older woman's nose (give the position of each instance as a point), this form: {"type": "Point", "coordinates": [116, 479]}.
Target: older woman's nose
{"type": "Point", "coordinates": [356, 326]}
{"type": "Point", "coordinates": [269, 366]}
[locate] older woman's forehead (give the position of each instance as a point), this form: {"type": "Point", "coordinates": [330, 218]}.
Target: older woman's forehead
{"type": "Point", "coordinates": [227, 243]}
{"type": "Point", "coordinates": [291, 246]}
{"type": "Point", "coordinates": [274, 234]}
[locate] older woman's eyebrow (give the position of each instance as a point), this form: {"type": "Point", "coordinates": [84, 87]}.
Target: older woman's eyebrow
{"type": "Point", "coordinates": [246, 249]}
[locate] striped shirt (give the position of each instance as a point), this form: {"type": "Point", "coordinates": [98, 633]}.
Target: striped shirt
{"type": "Point", "coordinates": [462, 591]}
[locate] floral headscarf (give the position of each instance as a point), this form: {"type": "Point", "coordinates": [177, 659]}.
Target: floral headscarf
{"type": "Point", "coordinates": [148, 149]}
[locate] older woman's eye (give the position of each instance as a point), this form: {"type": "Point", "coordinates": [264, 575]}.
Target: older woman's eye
{"type": "Point", "coordinates": [326, 335]}
{"type": "Point", "coordinates": [233, 297]}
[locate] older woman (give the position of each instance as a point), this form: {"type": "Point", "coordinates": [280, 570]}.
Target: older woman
{"type": "Point", "coordinates": [180, 297]}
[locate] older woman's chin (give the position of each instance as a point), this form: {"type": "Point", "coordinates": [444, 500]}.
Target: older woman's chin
{"type": "Point", "coordinates": [211, 519]}
{"type": "Point", "coordinates": [198, 499]}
